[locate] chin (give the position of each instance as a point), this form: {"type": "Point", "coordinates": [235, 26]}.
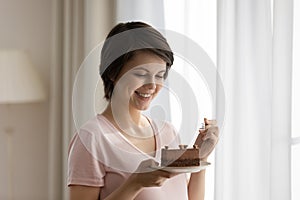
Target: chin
{"type": "Point", "coordinates": [143, 108]}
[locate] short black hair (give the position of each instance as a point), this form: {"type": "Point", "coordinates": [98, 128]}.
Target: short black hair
{"type": "Point", "coordinates": [138, 36]}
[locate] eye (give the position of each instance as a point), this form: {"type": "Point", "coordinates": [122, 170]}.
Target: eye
{"type": "Point", "coordinates": [139, 75]}
{"type": "Point", "coordinates": [159, 76]}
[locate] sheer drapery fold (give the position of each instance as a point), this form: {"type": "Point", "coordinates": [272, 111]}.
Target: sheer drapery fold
{"type": "Point", "coordinates": [78, 26]}
{"type": "Point", "coordinates": [251, 70]}
{"type": "Point", "coordinates": [280, 178]}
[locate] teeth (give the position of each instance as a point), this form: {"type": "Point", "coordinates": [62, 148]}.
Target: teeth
{"type": "Point", "coordinates": [144, 95]}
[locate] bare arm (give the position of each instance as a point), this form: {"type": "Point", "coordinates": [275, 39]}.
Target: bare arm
{"type": "Point", "coordinates": [206, 140]}
{"type": "Point", "coordinates": [196, 186]}
{"type": "Point", "coordinates": [79, 192]}
{"type": "Point", "coordinates": [128, 191]}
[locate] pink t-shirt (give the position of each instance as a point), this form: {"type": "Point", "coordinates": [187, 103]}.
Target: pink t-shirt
{"type": "Point", "coordinates": [100, 156]}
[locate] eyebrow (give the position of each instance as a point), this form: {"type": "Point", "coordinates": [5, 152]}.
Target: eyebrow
{"type": "Point", "coordinates": [142, 68]}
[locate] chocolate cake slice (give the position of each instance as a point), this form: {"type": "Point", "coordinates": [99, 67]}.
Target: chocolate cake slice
{"type": "Point", "coordinates": [182, 157]}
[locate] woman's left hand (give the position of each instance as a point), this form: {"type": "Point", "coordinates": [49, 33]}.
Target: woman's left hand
{"type": "Point", "coordinates": [207, 138]}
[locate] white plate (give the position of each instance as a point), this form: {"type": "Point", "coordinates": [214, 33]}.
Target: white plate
{"type": "Point", "coordinates": [192, 169]}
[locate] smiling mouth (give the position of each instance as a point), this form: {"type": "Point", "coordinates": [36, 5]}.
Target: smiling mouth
{"type": "Point", "coordinates": [144, 95]}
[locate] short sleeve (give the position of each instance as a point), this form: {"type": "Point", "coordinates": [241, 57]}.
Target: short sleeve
{"type": "Point", "coordinates": [83, 168]}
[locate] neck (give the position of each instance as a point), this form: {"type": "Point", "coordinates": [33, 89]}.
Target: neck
{"type": "Point", "coordinates": [131, 122]}
{"type": "Point", "coordinates": [135, 116]}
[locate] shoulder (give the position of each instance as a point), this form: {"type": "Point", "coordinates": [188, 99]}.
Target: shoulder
{"type": "Point", "coordinates": [95, 124]}
{"type": "Point", "coordinates": [94, 129]}
{"type": "Point", "coordinates": [166, 131]}
{"type": "Point", "coordinates": [161, 126]}
{"type": "Point", "coordinates": [90, 137]}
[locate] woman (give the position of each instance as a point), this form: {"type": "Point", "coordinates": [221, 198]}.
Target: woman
{"type": "Point", "coordinates": [110, 157]}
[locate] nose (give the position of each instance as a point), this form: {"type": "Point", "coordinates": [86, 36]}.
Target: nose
{"type": "Point", "coordinates": [150, 83]}
{"type": "Point", "coordinates": [150, 86]}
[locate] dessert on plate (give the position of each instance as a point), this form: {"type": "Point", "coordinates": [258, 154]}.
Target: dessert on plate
{"type": "Point", "coordinates": [181, 157]}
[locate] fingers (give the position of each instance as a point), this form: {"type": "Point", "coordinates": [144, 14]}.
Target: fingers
{"type": "Point", "coordinates": [145, 166]}
{"type": "Point", "coordinates": [148, 163]}
{"type": "Point", "coordinates": [164, 174]}
{"type": "Point", "coordinates": [214, 130]}
{"type": "Point", "coordinates": [161, 176]}
{"type": "Point", "coordinates": [210, 136]}
{"type": "Point", "coordinates": [210, 122]}
{"type": "Point", "coordinates": [207, 147]}
{"type": "Point", "coordinates": [210, 125]}
{"type": "Point", "coordinates": [150, 178]}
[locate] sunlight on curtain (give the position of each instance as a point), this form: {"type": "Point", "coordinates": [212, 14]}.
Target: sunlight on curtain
{"type": "Point", "coordinates": [280, 177]}
{"type": "Point", "coordinates": [296, 70]}
{"type": "Point", "coordinates": [295, 165]}
{"type": "Point", "coordinates": [196, 19]}
{"type": "Point", "coordinates": [295, 172]}
{"type": "Point", "coordinates": [150, 12]}
{"type": "Point", "coordinates": [244, 62]}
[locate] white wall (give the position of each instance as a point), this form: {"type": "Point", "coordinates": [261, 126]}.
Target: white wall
{"type": "Point", "coordinates": [26, 25]}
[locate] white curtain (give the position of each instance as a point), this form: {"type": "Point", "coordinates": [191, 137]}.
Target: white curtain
{"type": "Point", "coordinates": [66, 55]}
{"type": "Point", "coordinates": [281, 99]}
{"type": "Point", "coordinates": [151, 12]}
{"type": "Point", "coordinates": [78, 26]}
{"type": "Point", "coordinates": [254, 62]}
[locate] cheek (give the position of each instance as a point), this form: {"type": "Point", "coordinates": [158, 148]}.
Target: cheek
{"type": "Point", "coordinates": [158, 88]}
{"type": "Point", "coordinates": [135, 83]}
{"type": "Point", "coordinates": [130, 84]}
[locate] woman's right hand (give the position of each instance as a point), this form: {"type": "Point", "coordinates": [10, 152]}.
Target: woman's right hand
{"type": "Point", "coordinates": [145, 176]}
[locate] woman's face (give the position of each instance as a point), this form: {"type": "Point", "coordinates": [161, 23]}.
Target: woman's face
{"type": "Point", "coordinates": [140, 80]}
